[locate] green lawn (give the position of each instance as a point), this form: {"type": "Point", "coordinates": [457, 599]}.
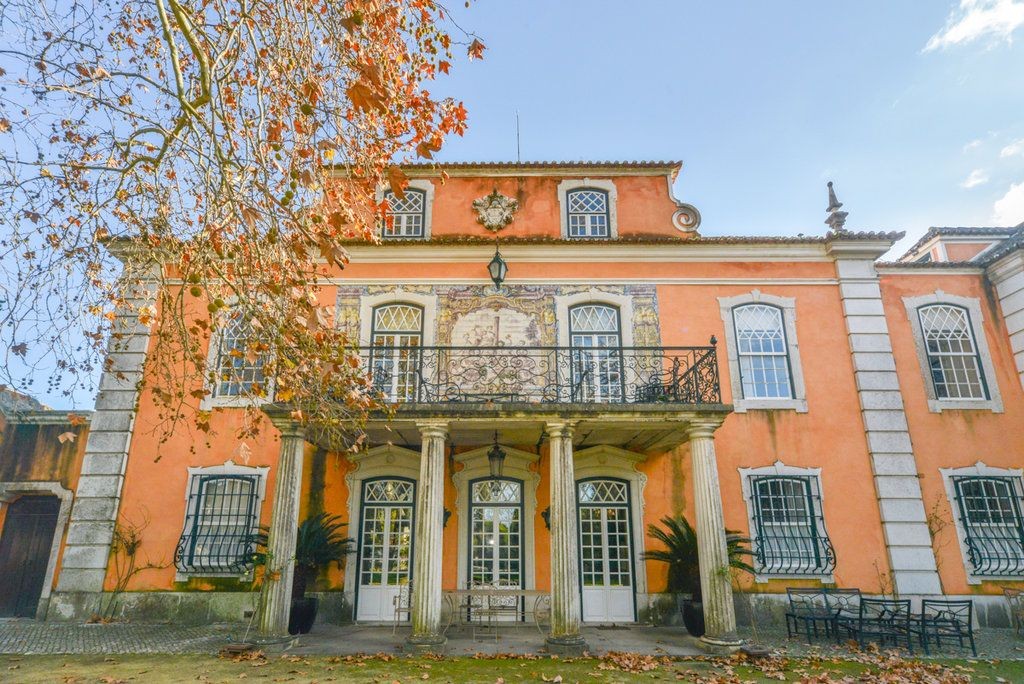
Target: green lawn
{"type": "Point", "coordinates": [491, 670]}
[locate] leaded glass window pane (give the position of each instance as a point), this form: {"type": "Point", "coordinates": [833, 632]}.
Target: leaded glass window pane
{"type": "Point", "coordinates": [241, 357]}
{"type": "Point", "coordinates": [397, 332]}
{"type": "Point", "coordinates": [789, 533]}
{"type": "Point", "coordinates": [588, 213]}
{"type": "Point", "coordinates": [221, 524]}
{"type": "Point", "coordinates": [596, 353]}
{"type": "Point", "coordinates": [762, 351]}
{"type": "Point", "coordinates": [952, 353]}
{"type": "Point", "coordinates": [990, 512]}
{"type": "Point", "coordinates": [406, 216]}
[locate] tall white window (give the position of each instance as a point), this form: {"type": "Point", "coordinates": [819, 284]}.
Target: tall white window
{"type": "Point", "coordinates": [762, 351]}
{"type": "Point", "coordinates": [406, 216]}
{"type": "Point", "coordinates": [596, 353]}
{"type": "Point", "coordinates": [953, 361]}
{"type": "Point", "coordinates": [396, 336]}
{"type": "Point", "coordinates": [588, 213]}
{"type": "Point", "coordinates": [240, 358]}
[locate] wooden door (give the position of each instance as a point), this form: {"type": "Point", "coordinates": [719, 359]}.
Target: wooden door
{"type": "Point", "coordinates": [25, 544]}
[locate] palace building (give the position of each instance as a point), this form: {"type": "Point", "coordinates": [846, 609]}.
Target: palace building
{"type": "Point", "coordinates": [861, 421]}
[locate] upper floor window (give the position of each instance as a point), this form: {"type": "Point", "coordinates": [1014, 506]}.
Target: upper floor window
{"type": "Point", "coordinates": [588, 213]}
{"type": "Point", "coordinates": [239, 359]}
{"type": "Point", "coordinates": [397, 333]}
{"type": "Point", "coordinates": [596, 341]}
{"type": "Point", "coordinates": [787, 524]}
{"type": "Point", "coordinates": [953, 361]}
{"type": "Point", "coordinates": [763, 353]}
{"type": "Point", "coordinates": [406, 216]}
{"type": "Point", "coordinates": [222, 520]}
{"type": "Point", "coordinates": [989, 512]}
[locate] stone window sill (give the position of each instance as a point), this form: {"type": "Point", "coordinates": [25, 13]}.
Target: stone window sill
{"type": "Point", "coordinates": [744, 405]}
{"type": "Point", "coordinates": [940, 405]}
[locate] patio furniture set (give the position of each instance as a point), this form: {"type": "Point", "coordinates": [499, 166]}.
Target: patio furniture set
{"type": "Point", "coordinates": [484, 608]}
{"type": "Point", "coordinates": [835, 613]}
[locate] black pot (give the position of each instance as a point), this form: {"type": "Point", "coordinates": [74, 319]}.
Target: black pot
{"type": "Point", "coordinates": [693, 617]}
{"type": "Point", "coordinates": [302, 615]}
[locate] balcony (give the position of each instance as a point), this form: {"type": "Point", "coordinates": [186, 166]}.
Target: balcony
{"type": "Point", "coordinates": [545, 376]}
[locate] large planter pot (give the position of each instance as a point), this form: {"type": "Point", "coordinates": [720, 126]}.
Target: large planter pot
{"type": "Point", "coordinates": [693, 616]}
{"type": "Point", "coordinates": [302, 615]}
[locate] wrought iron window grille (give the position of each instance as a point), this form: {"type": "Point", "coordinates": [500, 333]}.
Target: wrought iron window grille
{"type": "Point", "coordinates": [989, 508]}
{"type": "Point", "coordinates": [221, 528]}
{"type": "Point", "coordinates": [789, 528]}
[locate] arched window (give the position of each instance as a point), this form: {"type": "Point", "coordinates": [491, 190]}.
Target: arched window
{"type": "Point", "coordinates": [588, 215]}
{"type": "Point", "coordinates": [240, 359]}
{"type": "Point", "coordinates": [396, 335]}
{"type": "Point", "coordinates": [953, 361]}
{"type": "Point", "coordinates": [596, 343]}
{"type": "Point", "coordinates": [762, 351]}
{"type": "Point", "coordinates": [406, 216]}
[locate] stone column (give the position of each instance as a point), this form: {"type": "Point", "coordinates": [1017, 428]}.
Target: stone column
{"type": "Point", "coordinates": [427, 554]}
{"type": "Point", "coordinates": [715, 577]}
{"type": "Point", "coordinates": [565, 634]}
{"type": "Point", "coordinates": [284, 525]}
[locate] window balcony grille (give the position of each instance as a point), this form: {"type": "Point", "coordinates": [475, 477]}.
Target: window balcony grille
{"type": "Point", "coordinates": [545, 375]}
{"type": "Point", "coordinates": [789, 536]}
{"type": "Point", "coordinates": [221, 528]}
{"type": "Point", "coordinates": [993, 527]}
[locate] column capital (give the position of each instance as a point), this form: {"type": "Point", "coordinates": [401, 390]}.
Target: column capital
{"type": "Point", "coordinates": [703, 428]}
{"type": "Point", "coordinates": [284, 420]}
{"type": "Point", "coordinates": [433, 428]}
{"type": "Point", "coordinates": [561, 428]}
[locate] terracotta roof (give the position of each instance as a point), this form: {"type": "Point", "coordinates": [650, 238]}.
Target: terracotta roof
{"type": "Point", "coordinates": [929, 264]}
{"type": "Point", "coordinates": [635, 164]}
{"type": "Point", "coordinates": [979, 231]}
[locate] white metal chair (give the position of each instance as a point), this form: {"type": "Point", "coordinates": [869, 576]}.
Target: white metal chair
{"type": "Point", "coordinates": [403, 604]}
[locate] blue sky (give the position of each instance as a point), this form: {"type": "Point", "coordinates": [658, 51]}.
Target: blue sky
{"type": "Point", "coordinates": [914, 108]}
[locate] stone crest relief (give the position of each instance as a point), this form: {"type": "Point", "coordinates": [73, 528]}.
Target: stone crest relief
{"type": "Point", "coordinates": [495, 211]}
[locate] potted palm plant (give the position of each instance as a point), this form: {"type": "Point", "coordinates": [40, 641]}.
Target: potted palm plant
{"type": "Point", "coordinates": [680, 553]}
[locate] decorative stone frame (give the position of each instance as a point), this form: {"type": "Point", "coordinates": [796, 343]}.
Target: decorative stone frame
{"type": "Point", "coordinates": [228, 468]}
{"type": "Point", "coordinates": [610, 461]}
{"type": "Point", "coordinates": [367, 303]}
{"type": "Point", "coordinates": [994, 402]}
{"type": "Point", "coordinates": [517, 466]}
{"type": "Point", "coordinates": [979, 469]}
{"type": "Point", "coordinates": [563, 303]}
{"type": "Point", "coordinates": [568, 185]}
{"type": "Point", "coordinates": [9, 491]}
{"type": "Point", "coordinates": [210, 401]}
{"type": "Point", "coordinates": [781, 469]}
{"type": "Point", "coordinates": [787, 305]}
{"type": "Point", "coordinates": [386, 460]}
{"type": "Point", "coordinates": [427, 187]}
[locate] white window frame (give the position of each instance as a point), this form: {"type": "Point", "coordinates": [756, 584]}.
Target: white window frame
{"type": "Point", "coordinates": [979, 469]}
{"type": "Point", "coordinates": [994, 402]}
{"type": "Point", "coordinates": [569, 185]}
{"type": "Point", "coordinates": [787, 305]}
{"type": "Point", "coordinates": [229, 467]}
{"type": "Point", "coordinates": [211, 401]}
{"type": "Point", "coordinates": [427, 187]}
{"type": "Point", "coordinates": [782, 470]}
{"type": "Point", "coordinates": [368, 303]}
{"type": "Point", "coordinates": [564, 303]}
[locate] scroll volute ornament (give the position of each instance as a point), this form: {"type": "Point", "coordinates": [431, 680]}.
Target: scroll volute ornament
{"type": "Point", "coordinates": [495, 211]}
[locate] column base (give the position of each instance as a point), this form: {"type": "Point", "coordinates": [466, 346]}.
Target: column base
{"type": "Point", "coordinates": [570, 645]}
{"type": "Point", "coordinates": [426, 643]}
{"type": "Point", "coordinates": [722, 645]}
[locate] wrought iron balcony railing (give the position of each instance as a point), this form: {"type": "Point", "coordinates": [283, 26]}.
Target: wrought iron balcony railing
{"type": "Point", "coordinates": [545, 375]}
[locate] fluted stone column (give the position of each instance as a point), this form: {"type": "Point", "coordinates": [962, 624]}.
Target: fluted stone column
{"type": "Point", "coordinates": [715, 577]}
{"type": "Point", "coordinates": [426, 565]}
{"type": "Point", "coordinates": [565, 634]}
{"type": "Point", "coordinates": [284, 525]}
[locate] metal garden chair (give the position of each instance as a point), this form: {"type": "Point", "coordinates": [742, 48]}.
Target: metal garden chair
{"type": "Point", "coordinates": [403, 605]}
{"type": "Point", "coordinates": [942, 620]}
{"type": "Point", "coordinates": [1015, 599]}
{"type": "Point", "coordinates": [883, 621]}
{"type": "Point", "coordinates": [808, 608]}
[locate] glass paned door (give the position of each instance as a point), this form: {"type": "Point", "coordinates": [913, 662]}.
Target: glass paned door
{"type": "Point", "coordinates": [397, 336]}
{"type": "Point", "coordinates": [496, 537]}
{"type": "Point", "coordinates": [596, 353]}
{"type": "Point", "coordinates": [606, 551]}
{"type": "Point", "coordinates": [385, 547]}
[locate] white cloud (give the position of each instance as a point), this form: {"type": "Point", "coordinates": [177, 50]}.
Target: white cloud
{"type": "Point", "coordinates": [1009, 210]}
{"type": "Point", "coordinates": [1013, 149]}
{"type": "Point", "coordinates": [975, 19]}
{"type": "Point", "coordinates": [973, 145]}
{"type": "Point", "coordinates": [977, 177]}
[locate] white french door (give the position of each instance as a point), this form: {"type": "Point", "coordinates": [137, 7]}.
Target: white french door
{"type": "Point", "coordinates": [606, 551]}
{"type": "Point", "coordinates": [496, 537]}
{"type": "Point", "coordinates": [385, 547]}
{"type": "Point", "coordinates": [596, 353]}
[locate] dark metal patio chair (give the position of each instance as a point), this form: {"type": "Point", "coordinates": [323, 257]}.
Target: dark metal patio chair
{"type": "Point", "coordinates": [844, 605]}
{"type": "Point", "coordinates": [942, 620]}
{"type": "Point", "coordinates": [808, 610]}
{"type": "Point", "coordinates": [1015, 599]}
{"type": "Point", "coordinates": [883, 621]}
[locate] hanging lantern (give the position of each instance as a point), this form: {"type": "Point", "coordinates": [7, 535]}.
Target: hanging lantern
{"type": "Point", "coordinates": [497, 268]}
{"type": "Point", "coordinates": [496, 458]}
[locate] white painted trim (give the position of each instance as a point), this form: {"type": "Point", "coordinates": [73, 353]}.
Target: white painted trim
{"type": "Point", "coordinates": [427, 187]}
{"type": "Point", "coordinates": [228, 468]}
{"type": "Point", "coordinates": [890, 269]}
{"type": "Point", "coordinates": [570, 184]}
{"type": "Point", "coordinates": [381, 461]}
{"type": "Point", "coordinates": [9, 491]}
{"type": "Point", "coordinates": [589, 281]}
{"type": "Point", "coordinates": [780, 468]}
{"type": "Point", "coordinates": [517, 466]}
{"type": "Point", "coordinates": [973, 306]}
{"type": "Point", "coordinates": [367, 303]}
{"type": "Point", "coordinates": [787, 305]}
{"type": "Point", "coordinates": [611, 461]}
{"type": "Point", "coordinates": [979, 469]}
{"type": "Point", "coordinates": [624, 303]}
